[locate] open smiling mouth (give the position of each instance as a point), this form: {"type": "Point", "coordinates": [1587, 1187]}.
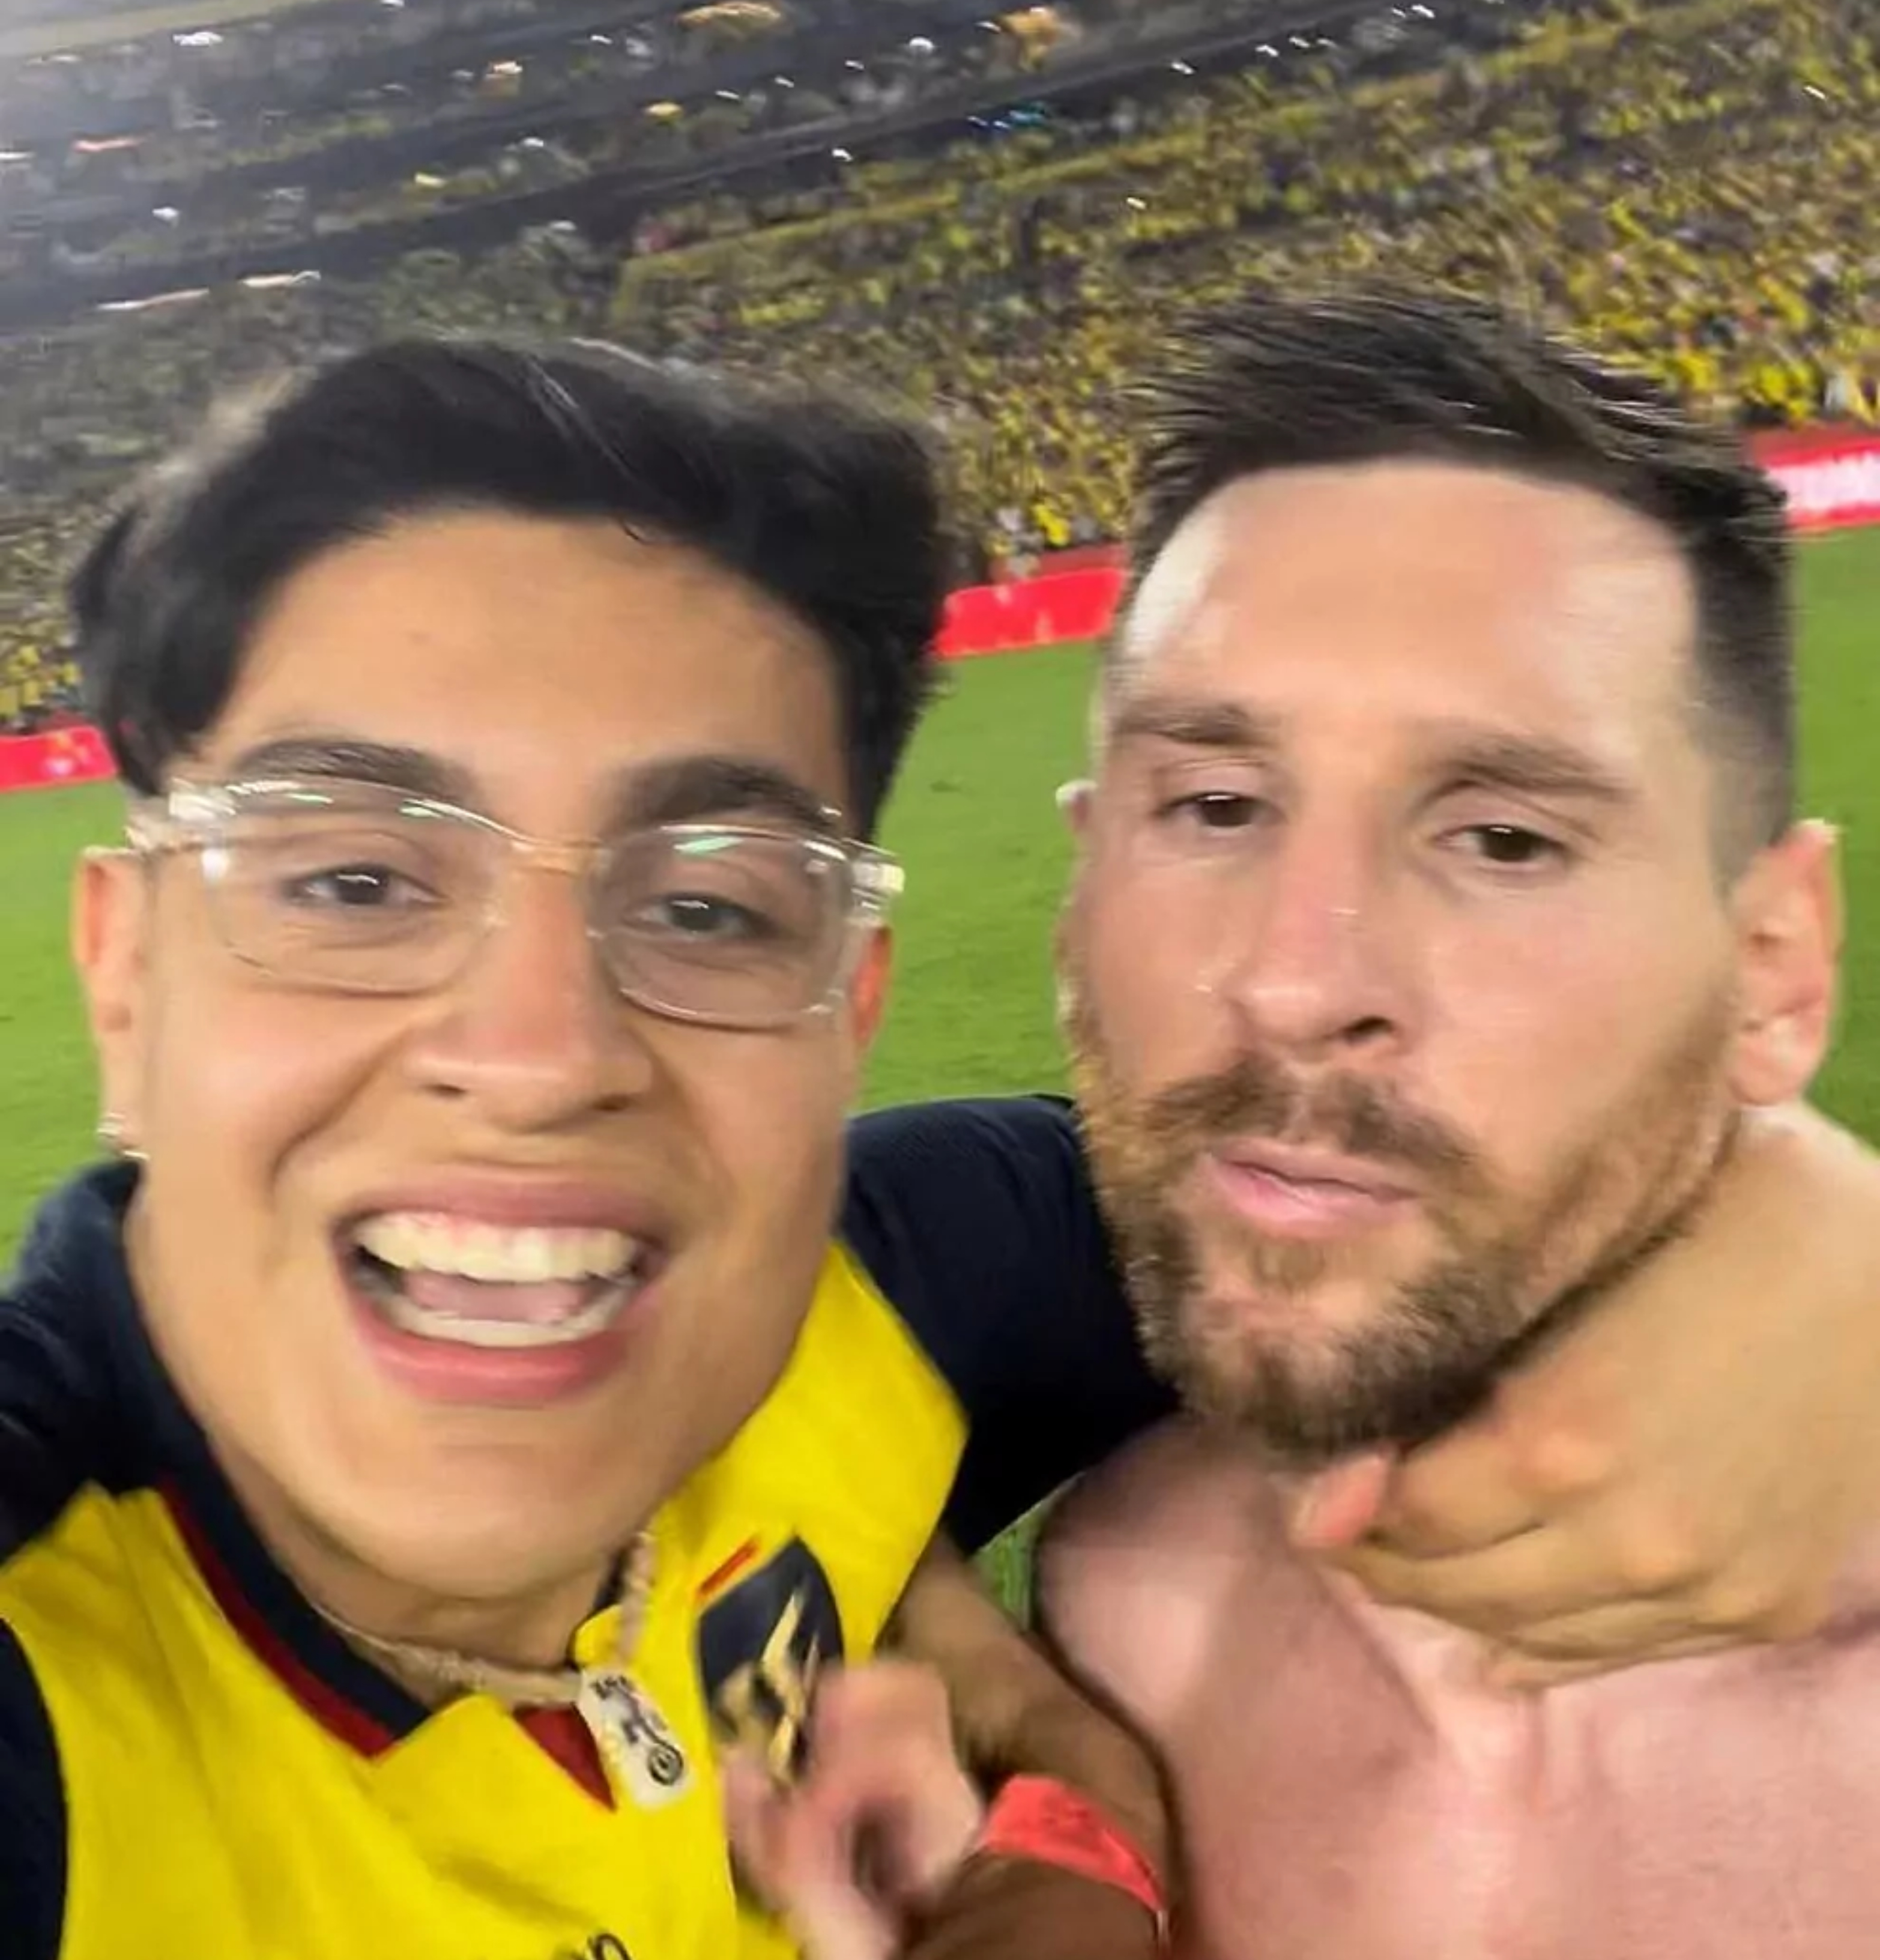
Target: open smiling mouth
{"type": "Point", "coordinates": [444, 1278]}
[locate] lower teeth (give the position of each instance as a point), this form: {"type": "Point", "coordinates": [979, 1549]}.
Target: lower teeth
{"type": "Point", "coordinates": [468, 1331]}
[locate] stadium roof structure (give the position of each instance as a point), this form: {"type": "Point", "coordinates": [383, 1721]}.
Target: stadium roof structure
{"type": "Point", "coordinates": [101, 213]}
{"type": "Point", "coordinates": [59, 27]}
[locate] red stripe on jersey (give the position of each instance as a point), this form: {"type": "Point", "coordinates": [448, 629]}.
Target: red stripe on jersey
{"type": "Point", "coordinates": [329, 1708]}
{"type": "Point", "coordinates": [570, 1744]}
{"type": "Point", "coordinates": [746, 1554]}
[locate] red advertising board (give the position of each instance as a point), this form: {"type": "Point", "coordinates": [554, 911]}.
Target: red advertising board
{"type": "Point", "coordinates": [1831, 477]}
{"type": "Point", "coordinates": [1029, 612]}
{"type": "Point", "coordinates": [59, 755]}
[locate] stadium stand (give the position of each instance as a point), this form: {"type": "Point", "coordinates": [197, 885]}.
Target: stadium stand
{"type": "Point", "coordinates": [998, 217]}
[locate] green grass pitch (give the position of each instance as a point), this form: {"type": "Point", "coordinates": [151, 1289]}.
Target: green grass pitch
{"type": "Point", "coordinates": [986, 857]}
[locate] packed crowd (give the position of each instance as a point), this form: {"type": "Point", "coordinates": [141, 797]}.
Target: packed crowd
{"type": "Point", "coordinates": [644, 91]}
{"type": "Point", "coordinates": [1691, 185]}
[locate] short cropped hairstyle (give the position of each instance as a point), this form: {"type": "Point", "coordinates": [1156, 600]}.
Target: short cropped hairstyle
{"type": "Point", "coordinates": [828, 507]}
{"type": "Point", "coordinates": [1271, 382]}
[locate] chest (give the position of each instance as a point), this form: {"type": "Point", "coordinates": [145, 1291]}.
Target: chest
{"type": "Point", "coordinates": [219, 1796]}
{"type": "Point", "coordinates": [1353, 1795]}
{"type": "Point", "coordinates": [1351, 1791]}
{"type": "Point", "coordinates": [207, 1812]}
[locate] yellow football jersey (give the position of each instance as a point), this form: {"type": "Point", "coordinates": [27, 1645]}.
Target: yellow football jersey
{"type": "Point", "coordinates": [226, 1795]}
{"type": "Point", "coordinates": [194, 1766]}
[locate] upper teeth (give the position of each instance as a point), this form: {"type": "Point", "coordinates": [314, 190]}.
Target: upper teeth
{"type": "Point", "coordinates": [420, 1242]}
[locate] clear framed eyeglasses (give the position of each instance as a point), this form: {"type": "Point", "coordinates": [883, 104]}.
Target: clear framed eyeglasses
{"type": "Point", "coordinates": [361, 888]}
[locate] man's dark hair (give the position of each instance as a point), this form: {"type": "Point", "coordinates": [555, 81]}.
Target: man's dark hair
{"type": "Point", "coordinates": [1375, 374]}
{"type": "Point", "coordinates": [829, 507]}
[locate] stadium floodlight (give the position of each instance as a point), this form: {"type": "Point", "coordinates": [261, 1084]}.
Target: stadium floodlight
{"type": "Point", "coordinates": [182, 297]}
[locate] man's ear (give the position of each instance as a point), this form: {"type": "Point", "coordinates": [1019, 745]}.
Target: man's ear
{"type": "Point", "coordinates": [868, 992]}
{"type": "Point", "coordinates": [1073, 806]}
{"type": "Point", "coordinates": [1787, 907]}
{"type": "Point", "coordinates": [110, 924]}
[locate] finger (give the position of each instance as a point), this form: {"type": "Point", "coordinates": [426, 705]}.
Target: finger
{"type": "Point", "coordinates": [1337, 1506]}
{"type": "Point", "coordinates": [1628, 1630]}
{"type": "Point", "coordinates": [1462, 1493]}
{"type": "Point", "coordinates": [832, 1920]}
{"type": "Point", "coordinates": [800, 1861]}
{"type": "Point", "coordinates": [882, 1766]}
{"type": "Point", "coordinates": [916, 1818]}
{"type": "Point", "coordinates": [821, 1889]}
{"type": "Point", "coordinates": [1515, 1670]}
{"type": "Point", "coordinates": [752, 1816]}
{"type": "Point", "coordinates": [1542, 1576]}
{"type": "Point", "coordinates": [1683, 1619]}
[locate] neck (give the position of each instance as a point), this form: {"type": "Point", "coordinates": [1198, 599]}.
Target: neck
{"type": "Point", "coordinates": [529, 1628]}
{"type": "Point", "coordinates": [530, 1631]}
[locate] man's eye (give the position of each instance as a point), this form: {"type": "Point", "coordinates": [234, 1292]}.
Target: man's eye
{"type": "Point", "coordinates": [357, 888]}
{"type": "Point", "coordinates": [1211, 810]}
{"type": "Point", "coordinates": [1510, 846]}
{"type": "Point", "coordinates": [705, 918]}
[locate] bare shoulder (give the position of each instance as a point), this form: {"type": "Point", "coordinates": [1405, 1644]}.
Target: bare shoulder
{"type": "Point", "coordinates": [1143, 1562]}
{"type": "Point", "coordinates": [1181, 1486]}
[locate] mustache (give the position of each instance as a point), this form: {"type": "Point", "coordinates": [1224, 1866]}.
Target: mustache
{"type": "Point", "coordinates": [1258, 1097]}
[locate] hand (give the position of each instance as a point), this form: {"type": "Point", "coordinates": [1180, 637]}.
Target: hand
{"type": "Point", "coordinates": [880, 1822]}
{"type": "Point", "coordinates": [1686, 1467]}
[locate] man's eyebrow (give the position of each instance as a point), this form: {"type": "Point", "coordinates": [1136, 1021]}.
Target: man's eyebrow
{"type": "Point", "coordinates": [679, 790]}
{"type": "Point", "coordinates": [1531, 765]}
{"type": "Point", "coordinates": [349, 759]}
{"type": "Point", "coordinates": [690, 788]}
{"type": "Point", "coordinates": [1195, 723]}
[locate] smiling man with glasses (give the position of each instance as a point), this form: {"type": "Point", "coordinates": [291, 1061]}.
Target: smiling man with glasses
{"type": "Point", "coordinates": [459, 1417]}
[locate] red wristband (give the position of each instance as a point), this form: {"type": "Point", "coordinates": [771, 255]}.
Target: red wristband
{"type": "Point", "coordinates": [1039, 1818]}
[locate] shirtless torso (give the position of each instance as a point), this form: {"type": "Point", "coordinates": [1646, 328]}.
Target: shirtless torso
{"type": "Point", "coordinates": [1350, 1791]}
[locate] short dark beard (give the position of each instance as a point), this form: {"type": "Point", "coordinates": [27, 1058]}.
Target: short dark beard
{"type": "Point", "coordinates": [1511, 1275]}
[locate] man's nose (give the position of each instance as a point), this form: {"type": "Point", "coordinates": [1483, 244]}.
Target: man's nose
{"type": "Point", "coordinates": [1313, 959]}
{"type": "Point", "coordinates": [534, 1029]}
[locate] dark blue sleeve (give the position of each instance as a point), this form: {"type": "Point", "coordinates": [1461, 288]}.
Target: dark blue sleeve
{"type": "Point", "coordinates": [32, 1815]}
{"type": "Point", "coordinates": [53, 1398]}
{"type": "Point", "coordinates": [977, 1223]}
